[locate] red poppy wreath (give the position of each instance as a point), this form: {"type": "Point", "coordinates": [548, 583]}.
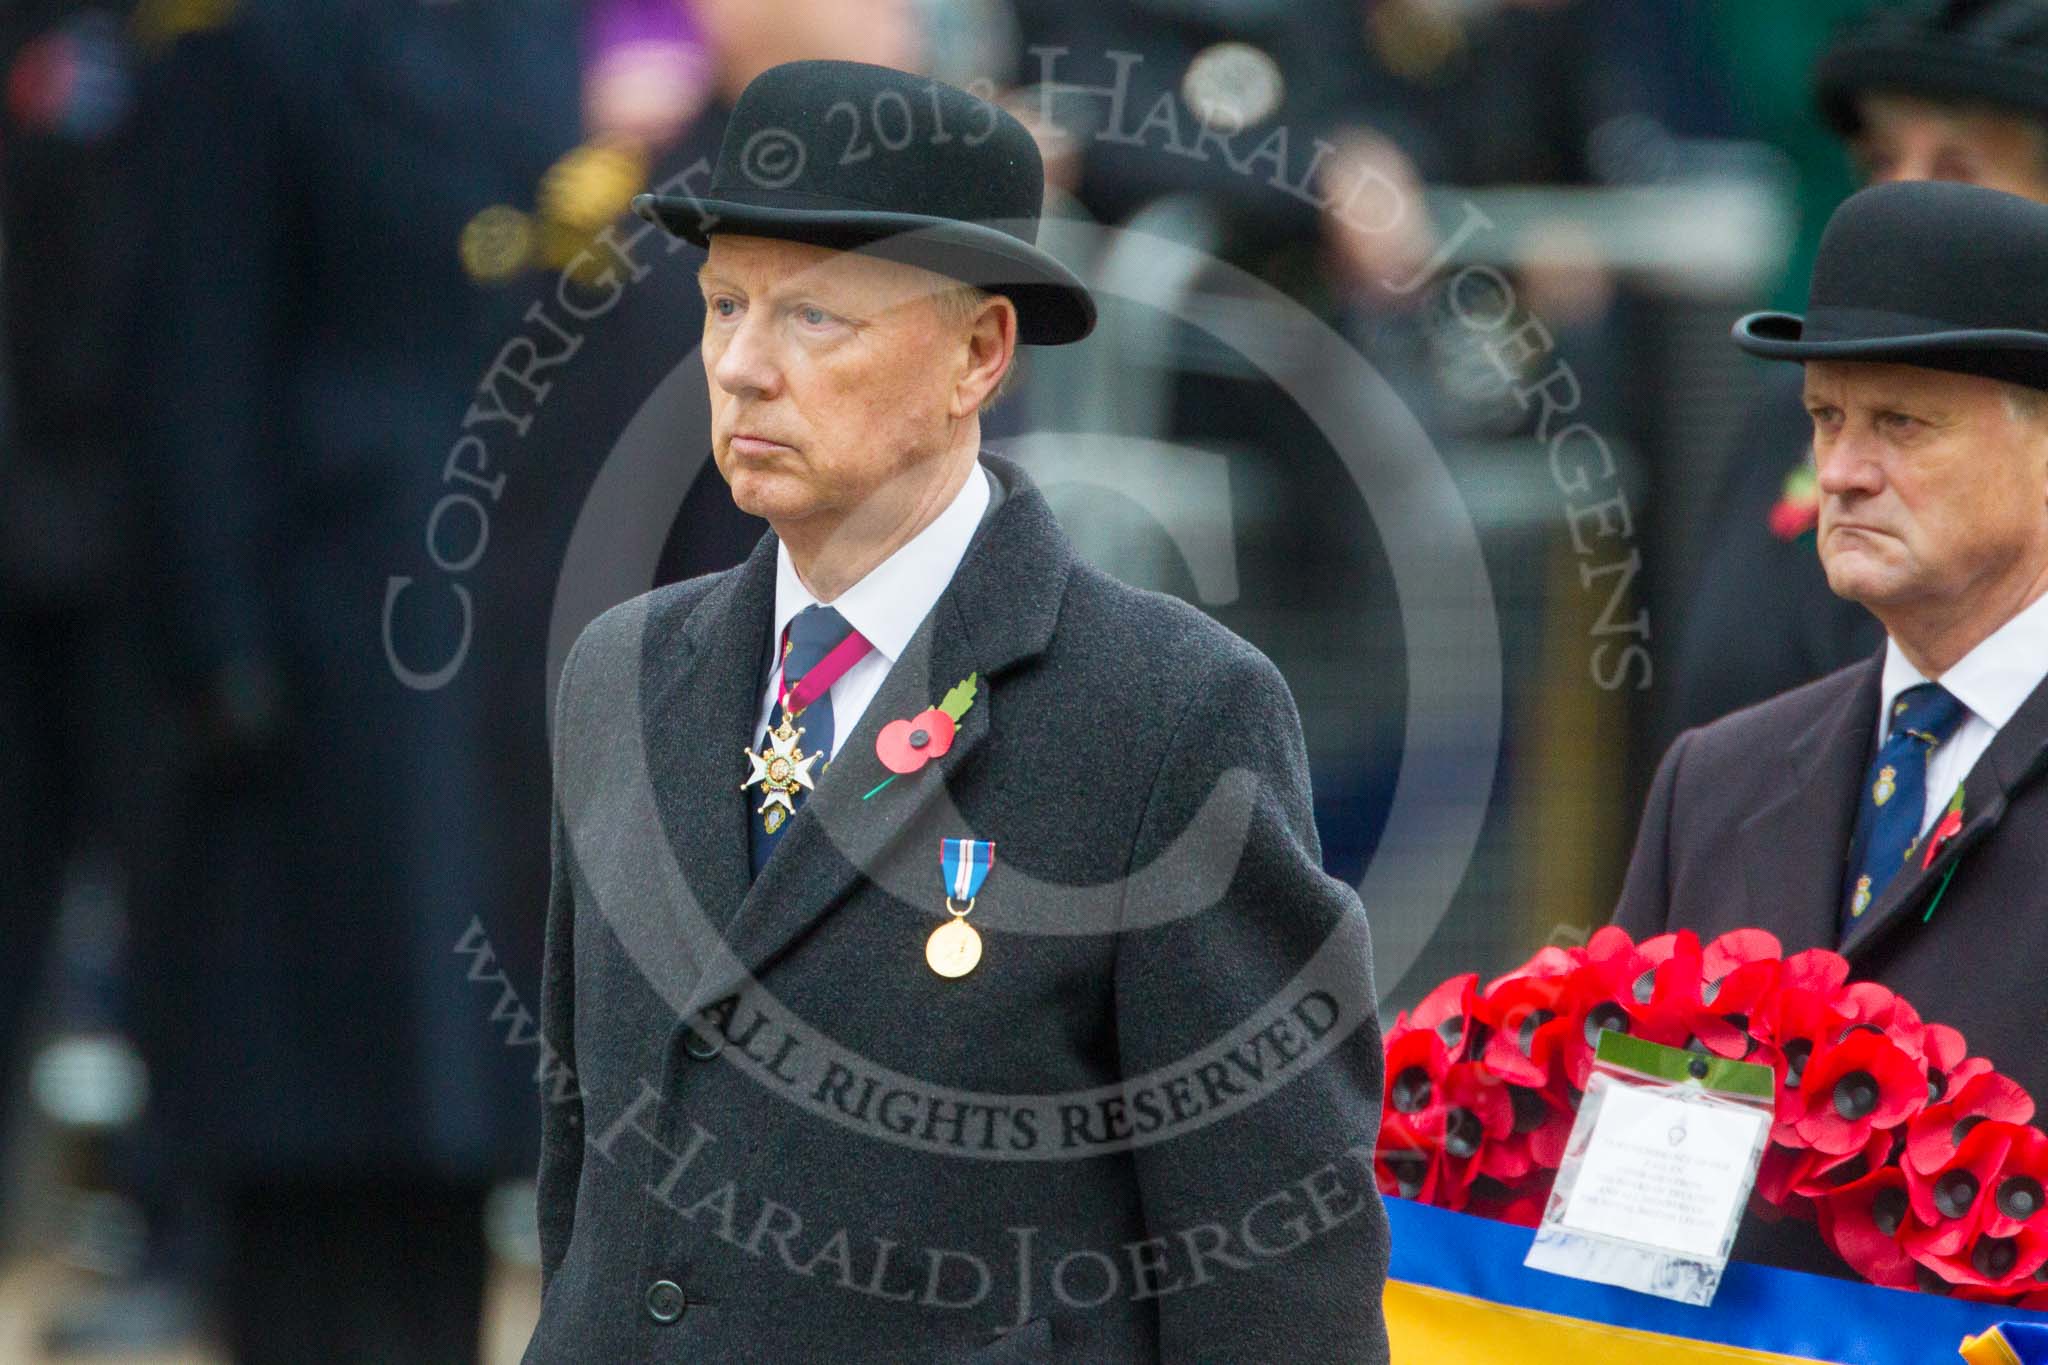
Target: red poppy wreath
{"type": "Point", "coordinates": [1917, 1161]}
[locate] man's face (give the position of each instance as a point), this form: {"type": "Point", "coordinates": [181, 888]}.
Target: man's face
{"type": "Point", "coordinates": [1933, 490]}
{"type": "Point", "coordinates": [1904, 138]}
{"type": "Point", "coordinates": [831, 373]}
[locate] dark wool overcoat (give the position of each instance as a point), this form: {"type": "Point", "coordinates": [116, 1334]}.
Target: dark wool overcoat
{"type": "Point", "coordinates": [1140, 1129]}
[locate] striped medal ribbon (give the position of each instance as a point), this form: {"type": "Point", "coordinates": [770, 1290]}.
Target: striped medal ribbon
{"type": "Point", "coordinates": [954, 947]}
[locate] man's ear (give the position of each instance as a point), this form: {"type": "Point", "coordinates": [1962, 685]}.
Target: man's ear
{"type": "Point", "coordinates": [991, 350]}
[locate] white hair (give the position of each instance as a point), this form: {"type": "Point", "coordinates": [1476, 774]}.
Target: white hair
{"type": "Point", "coordinates": [2026, 404]}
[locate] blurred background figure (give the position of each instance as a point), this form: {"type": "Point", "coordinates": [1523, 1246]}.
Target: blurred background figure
{"type": "Point", "coordinates": [315, 305]}
{"type": "Point", "coordinates": [338, 377]}
{"type": "Point", "coordinates": [81, 769]}
{"type": "Point", "coordinates": [1948, 90]}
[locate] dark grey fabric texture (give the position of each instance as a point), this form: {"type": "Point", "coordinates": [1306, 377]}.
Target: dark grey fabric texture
{"type": "Point", "coordinates": [717, 1108]}
{"type": "Point", "coordinates": [1748, 824]}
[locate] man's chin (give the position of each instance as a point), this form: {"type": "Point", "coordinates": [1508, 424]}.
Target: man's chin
{"type": "Point", "coordinates": [1861, 577]}
{"type": "Point", "coordinates": [771, 495]}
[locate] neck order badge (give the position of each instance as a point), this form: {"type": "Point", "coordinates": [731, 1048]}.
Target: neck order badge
{"type": "Point", "coordinates": [954, 947]}
{"type": "Point", "coordinates": [781, 771]}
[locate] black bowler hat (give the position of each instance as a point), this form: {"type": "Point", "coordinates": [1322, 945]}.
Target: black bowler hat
{"type": "Point", "coordinates": [1930, 273]}
{"type": "Point", "coordinates": [847, 155]}
{"type": "Point", "coordinates": [1991, 52]}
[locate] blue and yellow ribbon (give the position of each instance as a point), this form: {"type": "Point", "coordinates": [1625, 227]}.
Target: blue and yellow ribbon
{"type": "Point", "coordinates": [1458, 1291]}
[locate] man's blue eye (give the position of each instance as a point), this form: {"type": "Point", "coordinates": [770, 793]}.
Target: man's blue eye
{"type": "Point", "coordinates": [816, 317]}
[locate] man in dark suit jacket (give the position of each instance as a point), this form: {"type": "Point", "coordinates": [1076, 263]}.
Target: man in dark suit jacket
{"type": "Point", "coordinates": [1951, 90]}
{"type": "Point", "coordinates": [783, 1120]}
{"type": "Point", "coordinates": [1895, 810]}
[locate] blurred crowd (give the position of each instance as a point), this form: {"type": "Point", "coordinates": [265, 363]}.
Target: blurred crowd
{"type": "Point", "coordinates": [326, 326]}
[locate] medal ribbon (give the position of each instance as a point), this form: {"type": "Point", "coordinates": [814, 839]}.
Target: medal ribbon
{"type": "Point", "coordinates": [823, 674]}
{"type": "Point", "coordinates": [964, 864]}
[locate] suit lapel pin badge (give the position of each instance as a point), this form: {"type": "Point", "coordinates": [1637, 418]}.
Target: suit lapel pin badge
{"type": "Point", "coordinates": [954, 947]}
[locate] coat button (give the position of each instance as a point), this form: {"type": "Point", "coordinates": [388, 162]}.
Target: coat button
{"type": "Point", "coordinates": [665, 1301]}
{"type": "Point", "coordinates": [710, 1020]}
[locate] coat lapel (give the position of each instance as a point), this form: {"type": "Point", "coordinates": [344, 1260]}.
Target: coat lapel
{"type": "Point", "coordinates": [1793, 847]}
{"type": "Point", "coordinates": [997, 613]}
{"type": "Point", "coordinates": [2017, 756]}
{"type": "Point", "coordinates": [700, 714]}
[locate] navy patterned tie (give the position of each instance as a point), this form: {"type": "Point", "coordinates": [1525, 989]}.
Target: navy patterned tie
{"type": "Point", "coordinates": [813, 633]}
{"type": "Point", "coordinates": [1894, 800]}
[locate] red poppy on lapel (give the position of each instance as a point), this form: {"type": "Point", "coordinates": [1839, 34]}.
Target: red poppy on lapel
{"type": "Point", "coordinates": [1950, 825]}
{"type": "Point", "coordinates": [904, 746]}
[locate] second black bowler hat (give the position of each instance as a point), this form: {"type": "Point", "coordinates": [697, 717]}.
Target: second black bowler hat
{"type": "Point", "coordinates": [859, 157]}
{"type": "Point", "coordinates": [1957, 52]}
{"type": "Point", "coordinates": [1930, 273]}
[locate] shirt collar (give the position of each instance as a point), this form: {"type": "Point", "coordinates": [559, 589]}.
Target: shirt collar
{"type": "Point", "coordinates": [889, 604]}
{"type": "Point", "coordinates": [1992, 680]}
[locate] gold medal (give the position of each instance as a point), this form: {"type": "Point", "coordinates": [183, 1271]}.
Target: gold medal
{"type": "Point", "coordinates": [954, 948]}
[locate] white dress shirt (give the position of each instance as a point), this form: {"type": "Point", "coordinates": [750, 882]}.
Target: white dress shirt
{"type": "Point", "coordinates": [887, 606]}
{"type": "Point", "coordinates": [1991, 682]}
